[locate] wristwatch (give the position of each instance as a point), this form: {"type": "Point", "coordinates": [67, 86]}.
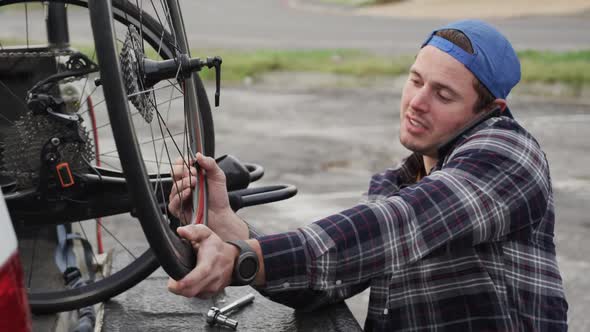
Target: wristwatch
{"type": "Point", "coordinates": [246, 265]}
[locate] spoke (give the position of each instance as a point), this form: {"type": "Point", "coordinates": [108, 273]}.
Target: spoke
{"type": "Point", "coordinates": [120, 41]}
{"type": "Point", "coordinates": [158, 169]}
{"type": "Point", "coordinates": [176, 86]}
{"type": "Point", "coordinates": [132, 114]}
{"type": "Point", "coordinates": [171, 26]}
{"type": "Point", "coordinates": [157, 13]}
{"type": "Point", "coordinates": [150, 90]}
{"type": "Point", "coordinates": [145, 160]}
{"type": "Point", "coordinates": [169, 133]}
{"type": "Point", "coordinates": [108, 123]}
{"type": "Point", "coordinates": [27, 22]}
{"type": "Point", "coordinates": [95, 104]}
{"type": "Point", "coordinates": [7, 119]}
{"type": "Point", "coordinates": [14, 95]}
{"type": "Point", "coordinates": [110, 165]}
{"type": "Point", "coordinates": [86, 237]}
{"type": "Point", "coordinates": [88, 109]}
{"type": "Point", "coordinates": [30, 278]}
{"type": "Point", "coordinates": [116, 239]}
{"type": "Point", "coordinates": [92, 168]}
{"type": "Point", "coordinates": [86, 81]}
{"type": "Point", "coordinates": [182, 216]}
{"type": "Point", "coordinates": [165, 146]}
{"type": "Point", "coordinates": [147, 142]}
{"type": "Point", "coordinates": [190, 153]}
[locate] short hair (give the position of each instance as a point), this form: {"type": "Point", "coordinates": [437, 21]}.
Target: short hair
{"type": "Point", "coordinates": [484, 96]}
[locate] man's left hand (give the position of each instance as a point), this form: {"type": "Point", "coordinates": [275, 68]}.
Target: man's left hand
{"type": "Point", "coordinates": [215, 264]}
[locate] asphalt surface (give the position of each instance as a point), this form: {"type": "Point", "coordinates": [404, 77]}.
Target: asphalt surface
{"type": "Point", "coordinates": [329, 141]}
{"type": "Point", "coordinates": [274, 24]}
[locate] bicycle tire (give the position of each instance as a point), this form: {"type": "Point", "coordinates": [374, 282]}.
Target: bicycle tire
{"type": "Point", "coordinates": [64, 300]}
{"type": "Point", "coordinates": [176, 256]}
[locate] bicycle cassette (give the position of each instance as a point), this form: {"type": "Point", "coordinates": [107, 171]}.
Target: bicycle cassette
{"type": "Point", "coordinates": [132, 66]}
{"type": "Point", "coordinates": [20, 153]}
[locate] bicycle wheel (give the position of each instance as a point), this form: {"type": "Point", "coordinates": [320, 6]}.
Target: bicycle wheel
{"type": "Point", "coordinates": [151, 145]}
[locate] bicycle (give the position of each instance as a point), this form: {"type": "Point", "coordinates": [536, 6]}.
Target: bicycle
{"type": "Point", "coordinates": [140, 64]}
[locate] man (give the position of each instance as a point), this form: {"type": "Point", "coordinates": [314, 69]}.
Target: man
{"type": "Point", "coordinates": [458, 237]}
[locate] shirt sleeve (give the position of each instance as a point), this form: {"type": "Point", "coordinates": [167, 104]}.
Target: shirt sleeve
{"type": "Point", "coordinates": [495, 183]}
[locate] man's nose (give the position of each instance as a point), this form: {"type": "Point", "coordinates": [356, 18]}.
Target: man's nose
{"type": "Point", "coordinates": [420, 102]}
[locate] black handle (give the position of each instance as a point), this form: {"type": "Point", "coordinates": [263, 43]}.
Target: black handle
{"type": "Point", "coordinates": [261, 195]}
{"type": "Point", "coordinates": [256, 171]}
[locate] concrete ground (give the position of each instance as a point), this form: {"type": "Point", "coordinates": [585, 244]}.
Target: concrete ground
{"type": "Point", "coordinates": [329, 141]}
{"type": "Point", "coordinates": [450, 9]}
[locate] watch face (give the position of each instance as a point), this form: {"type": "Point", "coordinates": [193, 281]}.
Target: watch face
{"type": "Point", "coordinates": [248, 267]}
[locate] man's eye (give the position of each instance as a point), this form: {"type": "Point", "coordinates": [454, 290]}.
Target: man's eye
{"type": "Point", "coordinates": [444, 98]}
{"type": "Point", "coordinates": [415, 82]}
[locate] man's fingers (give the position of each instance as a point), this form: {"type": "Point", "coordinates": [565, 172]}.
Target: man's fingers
{"type": "Point", "coordinates": [176, 191]}
{"type": "Point", "coordinates": [210, 166]}
{"type": "Point", "coordinates": [176, 200]}
{"type": "Point", "coordinates": [181, 185]}
{"type": "Point", "coordinates": [174, 286]}
{"type": "Point", "coordinates": [194, 283]}
{"type": "Point", "coordinates": [197, 233]}
{"type": "Point", "coordinates": [180, 170]}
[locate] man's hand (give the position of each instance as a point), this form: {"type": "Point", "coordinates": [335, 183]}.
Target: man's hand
{"type": "Point", "coordinates": [215, 264]}
{"type": "Point", "coordinates": [180, 202]}
{"type": "Point", "coordinates": [221, 218]}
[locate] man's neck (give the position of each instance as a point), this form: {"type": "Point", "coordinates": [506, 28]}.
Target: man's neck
{"type": "Point", "coordinates": [429, 162]}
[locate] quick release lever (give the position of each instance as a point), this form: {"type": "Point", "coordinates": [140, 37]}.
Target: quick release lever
{"type": "Point", "coordinates": [156, 71]}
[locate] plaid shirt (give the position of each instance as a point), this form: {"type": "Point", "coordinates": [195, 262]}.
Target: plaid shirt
{"type": "Point", "coordinates": [467, 248]}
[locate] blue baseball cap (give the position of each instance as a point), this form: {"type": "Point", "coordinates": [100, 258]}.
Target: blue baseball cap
{"type": "Point", "coordinates": [493, 62]}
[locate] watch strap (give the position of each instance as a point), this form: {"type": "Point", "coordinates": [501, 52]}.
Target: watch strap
{"type": "Point", "coordinates": [245, 263]}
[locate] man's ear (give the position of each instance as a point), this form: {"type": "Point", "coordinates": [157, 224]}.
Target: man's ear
{"type": "Point", "coordinates": [498, 103]}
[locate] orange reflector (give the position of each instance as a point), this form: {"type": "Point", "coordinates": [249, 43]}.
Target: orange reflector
{"type": "Point", "coordinates": [65, 175]}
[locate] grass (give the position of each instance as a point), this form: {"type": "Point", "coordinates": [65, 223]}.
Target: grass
{"type": "Point", "coordinates": [571, 67]}
{"type": "Point", "coordinates": [238, 65]}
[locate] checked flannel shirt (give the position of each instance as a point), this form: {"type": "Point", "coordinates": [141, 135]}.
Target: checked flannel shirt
{"type": "Point", "coordinates": [467, 248]}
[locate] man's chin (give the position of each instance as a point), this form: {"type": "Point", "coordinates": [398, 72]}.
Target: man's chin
{"type": "Point", "coordinates": [419, 149]}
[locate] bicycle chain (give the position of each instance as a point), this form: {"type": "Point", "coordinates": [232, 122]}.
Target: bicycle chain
{"type": "Point", "coordinates": [32, 54]}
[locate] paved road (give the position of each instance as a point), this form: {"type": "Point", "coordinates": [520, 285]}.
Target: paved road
{"type": "Point", "coordinates": [329, 141]}
{"type": "Point", "coordinates": [272, 24]}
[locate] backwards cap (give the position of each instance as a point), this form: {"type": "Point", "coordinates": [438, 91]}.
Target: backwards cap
{"type": "Point", "coordinates": [493, 62]}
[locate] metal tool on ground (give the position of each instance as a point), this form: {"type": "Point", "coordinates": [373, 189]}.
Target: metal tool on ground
{"type": "Point", "coordinates": [219, 316]}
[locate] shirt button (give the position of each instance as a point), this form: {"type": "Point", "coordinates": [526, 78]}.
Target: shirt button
{"type": "Point", "coordinates": [338, 282]}
{"type": "Point", "coordinates": [286, 285]}
{"type": "Point", "coordinates": [386, 311]}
